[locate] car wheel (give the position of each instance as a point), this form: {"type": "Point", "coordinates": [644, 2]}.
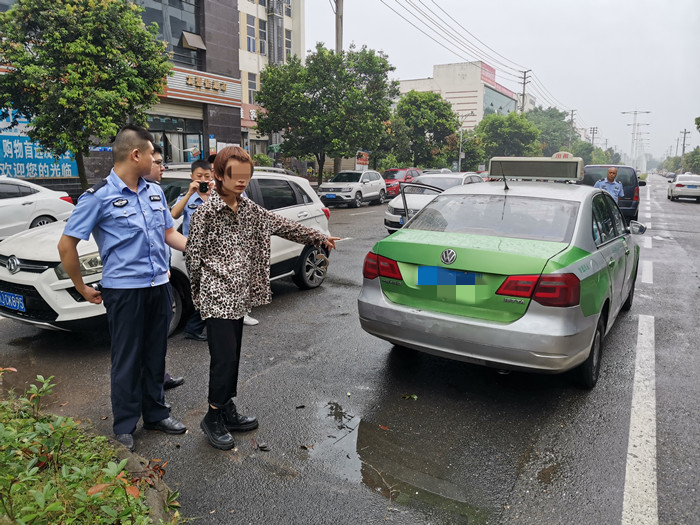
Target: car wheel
{"type": "Point", "coordinates": [589, 370]}
{"type": "Point", "coordinates": [627, 305]}
{"type": "Point", "coordinates": [668, 196]}
{"type": "Point", "coordinates": [313, 265]}
{"type": "Point", "coordinates": [382, 197]}
{"type": "Point", "coordinates": [358, 200]}
{"type": "Point", "coordinates": [178, 308]}
{"type": "Point", "coordinates": [40, 221]}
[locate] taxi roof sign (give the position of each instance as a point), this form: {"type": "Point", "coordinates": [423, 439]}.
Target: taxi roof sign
{"type": "Point", "coordinates": [561, 166]}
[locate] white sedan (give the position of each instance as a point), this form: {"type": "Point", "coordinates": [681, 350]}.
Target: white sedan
{"type": "Point", "coordinates": [420, 192]}
{"type": "Point", "coordinates": [684, 185]}
{"type": "Point", "coordinates": [25, 205]}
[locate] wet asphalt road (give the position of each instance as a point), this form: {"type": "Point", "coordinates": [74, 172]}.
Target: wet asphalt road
{"type": "Point", "coordinates": [347, 446]}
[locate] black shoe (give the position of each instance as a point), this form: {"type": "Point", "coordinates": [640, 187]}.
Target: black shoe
{"type": "Point", "coordinates": [213, 426]}
{"type": "Point", "coordinates": [168, 425]}
{"type": "Point", "coordinates": [173, 382]}
{"type": "Point", "coordinates": [196, 337]}
{"type": "Point", "coordinates": [125, 439]}
{"type": "Point", "coordinates": [235, 422]}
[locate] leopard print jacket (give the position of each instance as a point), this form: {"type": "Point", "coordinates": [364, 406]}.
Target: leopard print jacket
{"type": "Point", "coordinates": [228, 255]}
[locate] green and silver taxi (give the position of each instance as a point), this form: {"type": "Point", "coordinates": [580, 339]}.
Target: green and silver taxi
{"type": "Point", "coordinates": [527, 275]}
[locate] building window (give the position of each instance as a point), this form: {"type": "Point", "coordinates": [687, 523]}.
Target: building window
{"type": "Point", "coordinates": [262, 35]}
{"type": "Point", "coordinates": [252, 87]}
{"type": "Point", "coordinates": [250, 33]}
{"type": "Point", "coordinates": [288, 7]}
{"type": "Point", "coordinates": [172, 21]}
{"type": "Point", "coordinates": [263, 3]}
{"type": "Point", "coordinates": [287, 43]}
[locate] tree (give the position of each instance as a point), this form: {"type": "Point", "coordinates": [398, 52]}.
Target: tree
{"type": "Point", "coordinates": [430, 120]}
{"type": "Point", "coordinates": [78, 70]}
{"type": "Point", "coordinates": [555, 133]}
{"type": "Point", "coordinates": [697, 123]}
{"type": "Point", "coordinates": [335, 105]}
{"type": "Point", "coordinates": [395, 145]}
{"type": "Point", "coordinates": [584, 150]}
{"type": "Point", "coordinates": [691, 161]}
{"type": "Point", "coordinates": [510, 135]}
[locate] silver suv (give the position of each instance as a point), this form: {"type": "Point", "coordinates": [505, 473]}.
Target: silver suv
{"type": "Point", "coordinates": [353, 188]}
{"type": "Point", "coordinates": [35, 289]}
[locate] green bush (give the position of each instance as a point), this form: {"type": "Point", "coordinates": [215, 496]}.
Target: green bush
{"type": "Point", "coordinates": [260, 159]}
{"type": "Point", "coordinates": [52, 471]}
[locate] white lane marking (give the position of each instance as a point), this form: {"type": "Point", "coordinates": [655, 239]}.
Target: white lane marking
{"type": "Point", "coordinates": [647, 272]}
{"type": "Point", "coordinates": [362, 213]}
{"type": "Point", "coordinates": [647, 243]}
{"type": "Point", "coordinates": [640, 505]}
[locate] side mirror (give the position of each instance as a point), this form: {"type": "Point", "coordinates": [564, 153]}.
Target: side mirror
{"type": "Point", "coordinates": [669, 181]}
{"type": "Point", "coordinates": [637, 228]}
{"type": "Point", "coordinates": [642, 183]}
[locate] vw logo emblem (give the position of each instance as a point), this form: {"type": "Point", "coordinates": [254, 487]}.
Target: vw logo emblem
{"type": "Point", "coordinates": [448, 256]}
{"type": "Point", "coordinates": [13, 264]}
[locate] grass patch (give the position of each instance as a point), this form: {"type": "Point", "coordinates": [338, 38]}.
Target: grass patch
{"type": "Point", "coordinates": [53, 471]}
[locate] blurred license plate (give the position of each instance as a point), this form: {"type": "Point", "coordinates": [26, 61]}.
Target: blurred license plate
{"type": "Point", "coordinates": [400, 220]}
{"type": "Point", "coordinates": [693, 187]}
{"type": "Point", "coordinates": [330, 195]}
{"type": "Point", "coordinates": [12, 301]}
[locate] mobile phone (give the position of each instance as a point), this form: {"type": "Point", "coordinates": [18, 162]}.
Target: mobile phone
{"type": "Point", "coordinates": [203, 187]}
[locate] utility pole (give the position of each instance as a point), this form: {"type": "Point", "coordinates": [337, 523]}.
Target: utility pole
{"type": "Point", "coordinates": [571, 131]}
{"type": "Point", "coordinates": [337, 162]}
{"type": "Point", "coordinates": [593, 132]}
{"type": "Point", "coordinates": [634, 132]}
{"type": "Point", "coordinates": [677, 141]}
{"type": "Point", "coordinates": [525, 82]}
{"type": "Point", "coordinates": [684, 132]}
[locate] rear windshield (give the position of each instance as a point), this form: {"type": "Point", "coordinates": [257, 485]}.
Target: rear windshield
{"type": "Point", "coordinates": [500, 216]}
{"type": "Point", "coordinates": [592, 174]}
{"type": "Point", "coordinates": [393, 174]}
{"type": "Point", "coordinates": [693, 179]}
{"type": "Point", "coordinates": [346, 176]}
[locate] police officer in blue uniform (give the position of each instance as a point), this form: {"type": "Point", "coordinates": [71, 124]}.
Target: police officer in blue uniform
{"type": "Point", "coordinates": [610, 185]}
{"type": "Point", "coordinates": [131, 223]}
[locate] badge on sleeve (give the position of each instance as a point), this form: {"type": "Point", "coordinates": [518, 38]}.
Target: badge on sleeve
{"type": "Point", "coordinates": [154, 198]}
{"type": "Point", "coordinates": [193, 206]}
{"type": "Point", "coordinates": [120, 203]}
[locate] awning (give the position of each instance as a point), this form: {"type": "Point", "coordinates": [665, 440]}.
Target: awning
{"type": "Point", "coordinates": [192, 41]}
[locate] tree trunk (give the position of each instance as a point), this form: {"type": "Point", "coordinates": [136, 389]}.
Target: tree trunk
{"type": "Point", "coordinates": [321, 160]}
{"type": "Point", "coordinates": [80, 161]}
{"type": "Point", "coordinates": [336, 165]}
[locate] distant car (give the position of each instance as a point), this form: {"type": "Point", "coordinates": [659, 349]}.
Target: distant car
{"type": "Point", "coordinates": [25, 205]}
{"type": "Point", "coordinates": [627, 176]}
{"type": "Point", "coordinates": [529, 277]}
{"type": "Point", "coordinates": [420, 192]}
{"type": "Point", "coordinates": [437, 170]}
{"type": "Point", "coordinates": [686, 185]}
{"type": "Point", "coordinates": [353, 188]}
{"type": "Point", "coordinates": [35, 288]}
{"type": "Point", "coordinates": [394, 176]}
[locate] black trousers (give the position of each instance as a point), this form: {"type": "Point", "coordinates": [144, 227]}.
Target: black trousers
{"type": "Point", "coordinates": [224, 337]}
{"type": "Point", "coordinates": [138, 326]}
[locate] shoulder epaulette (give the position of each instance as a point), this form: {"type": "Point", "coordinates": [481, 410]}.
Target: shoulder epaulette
{"type": "Point", "coordinates": [96, 186]}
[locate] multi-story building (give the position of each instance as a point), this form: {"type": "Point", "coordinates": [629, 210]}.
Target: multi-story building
{"type": "Point", "coordinates": [271, 32]}
{"type": "Point", "coordinates": [470, 87]}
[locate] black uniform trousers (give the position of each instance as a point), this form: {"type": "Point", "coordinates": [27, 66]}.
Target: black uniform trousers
{"type": "Point", "coordinates": [138, 326]}
{"type": "Point", "coordinates": [224, 337]}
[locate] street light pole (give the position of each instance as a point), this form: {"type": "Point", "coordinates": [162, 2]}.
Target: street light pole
{"type": "Point", "coordinates": [459, 159]}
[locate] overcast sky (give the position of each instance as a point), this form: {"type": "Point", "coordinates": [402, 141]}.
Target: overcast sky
{"type": "Point", "coordinates": [598, 57]}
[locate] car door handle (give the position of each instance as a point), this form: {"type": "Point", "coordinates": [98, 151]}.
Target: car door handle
{"type": "Point", "coordinates": [611, 263]}
{"type": "Point", "coordinates": [27, 203]}
{"type": "Point", "coordinates": [302, 214]}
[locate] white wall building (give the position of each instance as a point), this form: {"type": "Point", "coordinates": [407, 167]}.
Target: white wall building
{"type": "Point", "coordinates": [471, 88]}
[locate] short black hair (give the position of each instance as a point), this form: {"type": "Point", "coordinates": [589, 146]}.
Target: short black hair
{"type": "Point", "coordinates": [204, 164]}
{"type": "Point", "coordinates": [157, 149]}
{"type": "Point", "coordinates": [130, 137]}
{"type": "Point", "coordinates": [211, 158]}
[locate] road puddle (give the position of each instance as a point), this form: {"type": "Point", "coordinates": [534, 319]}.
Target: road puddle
{"type": "Point", "coordinates": [364, 452]}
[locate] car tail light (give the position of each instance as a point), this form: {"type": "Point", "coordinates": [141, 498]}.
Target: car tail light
{"type": "Point", "coordinates": [518, 285]}
{"type": "Point", "coordinates": [679, 185]}
{"type": "Point", "coordinates": [376, 265]}
{"type": "Point", "coordinates": [636, 194]}
{"type": "Point", "coordinates": [549, 290]}
{"type": "Point", "coordinates": [327, 213]}
{"type": "Point", "coordinates": [67, 199]}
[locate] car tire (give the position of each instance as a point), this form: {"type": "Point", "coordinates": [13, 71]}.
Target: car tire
{"type": "Point", "coordinates": [357, 202]}
{"type": "Point", "coordinates": [382, 197]}
{"type": "Point", "coordinates": [668, 196]}
{"type": "Point", "coordinates": [312, 268]}
{"type": "Point", "coordinates": [589, 370]}
{"type": "Point", "coordinates": [40, 221]}
{"type": "Point", "coordinates": [178, 308]}
{"type": "Point", "coordinates": [627, 305]}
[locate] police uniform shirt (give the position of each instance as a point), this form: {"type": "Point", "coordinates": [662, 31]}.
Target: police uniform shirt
{"type": "Point", "coordinates": [615, 188]}
{"type": "Point", "coordinates": [192, 204]}
{"type": "Point", "coordinates": [129, 229]}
